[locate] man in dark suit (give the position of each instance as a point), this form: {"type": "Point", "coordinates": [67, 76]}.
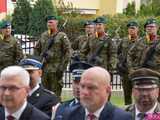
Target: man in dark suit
{"type": "Point", "coordinates": [77, 68]}
{"type": "Point", "coordinates": [40, 97]}
{"type": "Point", "coordinates": [14, 87]}
{"type": "Point", "coordinates": [145, 93]}
{"type": "Point", "coordinates": [94, 92]}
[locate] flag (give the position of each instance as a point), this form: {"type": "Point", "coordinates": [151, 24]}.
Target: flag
{"type": "Point", "coordinates": [3, 6]}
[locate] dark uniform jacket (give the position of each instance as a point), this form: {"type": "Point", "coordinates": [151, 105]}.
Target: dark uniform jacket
{"type": "Point", "coordinates": [131, 108]}
{"type": "Point", "coordinates": [63, 108]}
{"type": "Point", "coordinates": [43, 100]}
{"type": "Point", "coordinates": [109, 112]}
{"type": "Point", "coordinates": [30, 113]}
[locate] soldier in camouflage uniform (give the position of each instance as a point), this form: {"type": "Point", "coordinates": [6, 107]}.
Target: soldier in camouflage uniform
{"type": "Point", "coordinates": [10, 48]}
{"type": "Point", "coordinates": [124, 46]}
{"type": "Point", "coordinates": [79, 43]}
{"type": "Point", "coordinates": [100, 50]}
{"type": "Point", "coordinates": [139, 53]}
{"type": "Point", "coordinates": [89, 33]}
{"type": "Point", "coordinates": [56, 58]}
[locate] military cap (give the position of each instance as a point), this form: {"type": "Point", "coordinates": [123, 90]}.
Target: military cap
{"type": "Point", "coordinates": [5, 24]}
{"type": "Point", "coordinates": [100, 20]}
{"type": "Point", "coordinates": [150, 21]}
{"type": "Point", "coordinates": [132, 24]}
{"type": "Point", "coordinates": [51, 17]}
{"type": "Point", "coordinates": [89, 22]}
{"type": "Point", "coordinates": [145, 78]}
{"type": "Point", "coordinates": [77, 68]}
{"type": "Point", "coordinates": [30, 64]}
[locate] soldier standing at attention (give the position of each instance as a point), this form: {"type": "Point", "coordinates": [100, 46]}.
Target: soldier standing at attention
{"type": "Point", "coordinates": [55, 49]}
{"type": "Point", "coordinates": [89, 33]}
{"type": "Point", "coordinates": [125, 45]}
{"type": "Point", "coordinates": [146, 53]}
{"type": "Point", "coordinates": [100, 51]}
{"type": "Point", "coordinates": [80, 42]}
{"type": "Point", "coordinates": [10, 48]}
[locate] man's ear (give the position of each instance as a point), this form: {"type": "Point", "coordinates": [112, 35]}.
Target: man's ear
{"type": "Point", "coordinates": [108, 89]}
{"type": "Point", "coordinates": [40, 73]}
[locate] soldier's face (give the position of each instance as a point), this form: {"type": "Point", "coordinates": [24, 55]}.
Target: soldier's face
{"type": "Point", "coordinates": [52, 24]}
{"type": "Point", "coordinates": [152, 29]}
{"type": "Point", "coordinates": [90, 29]}
{"type": "Point", "coordinates": [133, 31]}
{"type": "Point", "coordinates": [75, 86]}
{"type": "Point", "coordinates": [35, 75]}
{"type": "Point", "coordinates": [145, 98]}
{"type": "Point", "coordinates": [7, 31]}
{"type": "Point", "coordinates": [100, 27]}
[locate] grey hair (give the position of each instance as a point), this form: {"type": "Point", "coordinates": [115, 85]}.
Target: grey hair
{"type": "Point", "coordinates": [12, 71]}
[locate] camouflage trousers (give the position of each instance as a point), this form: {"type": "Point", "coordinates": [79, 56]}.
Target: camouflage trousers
{"type": "Point", "coordinates": [53, 81]}
{"type": "Point", "coordinates": [127, 89]}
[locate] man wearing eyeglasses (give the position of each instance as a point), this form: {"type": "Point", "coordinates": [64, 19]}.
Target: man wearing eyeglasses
{"type": "Point", "coordinates": [14, 88]}
{"type": "Point", "coordinates": [145, 91]}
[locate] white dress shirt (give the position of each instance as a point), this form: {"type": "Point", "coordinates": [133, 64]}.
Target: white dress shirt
{"type": "Point", "coordinates": [96, 113]}
{"type": "Point", "coordinates": [18, 113]}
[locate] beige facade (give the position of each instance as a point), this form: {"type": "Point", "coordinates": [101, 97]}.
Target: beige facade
{"type": "Point", "coordinates": [100, 7]}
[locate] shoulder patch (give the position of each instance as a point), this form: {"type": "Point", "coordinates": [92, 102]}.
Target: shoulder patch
{"type": "Point", "coordinates": [48, 91]}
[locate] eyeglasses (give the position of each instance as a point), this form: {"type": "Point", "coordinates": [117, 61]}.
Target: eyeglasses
{"type": "Point", "coordinates": [11, 88]}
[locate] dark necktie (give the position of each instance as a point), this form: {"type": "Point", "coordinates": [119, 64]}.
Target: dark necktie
{"type": "Point", "coordinates": [141, 116]}
{"type": "Point", "coordinates": [10, 117]}
{"type": "Point", "coordinates": [91, 116]}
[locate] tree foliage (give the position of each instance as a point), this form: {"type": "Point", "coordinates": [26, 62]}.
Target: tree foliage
{"type": "Point", "coordinates": [20, 18]}
{"type": "Point", "coordinates": [151, 8]}
{"type": "Point", "coordinates": [37, 21]}
{"type": "Point", "coordinates": [130, 9]}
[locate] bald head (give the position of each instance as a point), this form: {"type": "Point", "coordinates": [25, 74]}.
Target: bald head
{"type": "Point", "coordinates": [94, 88]}
{"type": "Point", "coordinates": [99, 72]}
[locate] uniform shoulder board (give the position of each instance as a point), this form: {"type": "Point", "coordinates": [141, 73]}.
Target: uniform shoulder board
{"type": "Point", "coordinates": [129, 107]}
{"type": "Point", "coordinates": [62, 34]}
{"type": "Point", "coordinates": [48, 91]}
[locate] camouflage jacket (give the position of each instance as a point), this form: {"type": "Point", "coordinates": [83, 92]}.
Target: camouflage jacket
{"type": "Point", "coordinates": [58, 55]}
{"type": "Point", "coordinates": [106, 57]}
{"type": "Point", "coordinates": [10, 52]}
{"type": "Point", "coordinates": [122, 51]}
{"type": "Point", "coordinates": [78, 43]}
{"type": "Point", "coordinates": [136, 54]}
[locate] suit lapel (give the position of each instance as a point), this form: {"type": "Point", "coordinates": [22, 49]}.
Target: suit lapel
{"type": "Point", "coordinates": [107, 112]}
{"type": "Point", "coordinates": [77, 113]}
{"type": "Point", "coordinates": [27, 112]}
{"type": "Point", "coordinates": [2, 114]}
{"type": "Point", "coordinates": [34, 97]}
{"type": "Point", "coordinates": [157, 109]}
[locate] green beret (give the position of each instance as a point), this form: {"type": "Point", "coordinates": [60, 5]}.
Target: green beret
{"type": "Point", "coordinates": [51, 17]}
{"type": "Point", "coordinates": [145, 78]}
{"type": "Point", "coordinates": [150, 21]}
{"type": "Point", "coordinates": [89, 22]}
{"type": "Point", "coordinates": [132, 24]}
{"type": "Point", "coordinates": [5, 24]}
{"type": "Point", "coordinates": [100, 20]}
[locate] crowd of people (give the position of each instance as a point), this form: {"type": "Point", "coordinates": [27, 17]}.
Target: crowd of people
{"type": "Point", "coordinates": [30, 88]}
